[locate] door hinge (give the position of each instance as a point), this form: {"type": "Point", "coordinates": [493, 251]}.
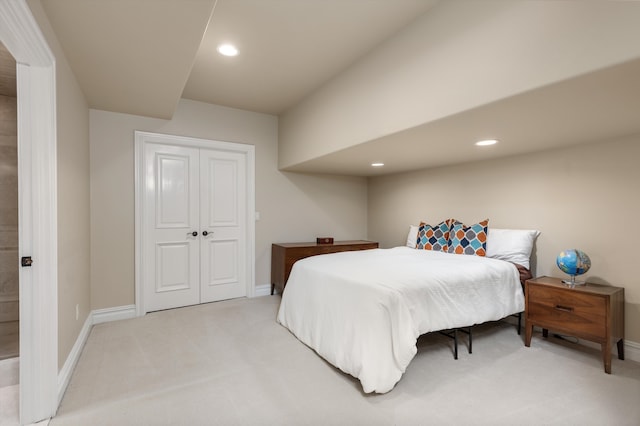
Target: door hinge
{"type": "Point", "coordinates": [27, 261]}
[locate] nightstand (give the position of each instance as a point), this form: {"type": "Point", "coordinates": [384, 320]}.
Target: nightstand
{"type": "Point", "coordinates": [592, 312]}
{"type": "Point", "coordinates": [284, 255]}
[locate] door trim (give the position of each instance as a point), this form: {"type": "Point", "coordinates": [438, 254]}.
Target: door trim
{"type": "Point", "coordinates": [37, 210]}
{"type": "Point", "coordinates": [141, 138]}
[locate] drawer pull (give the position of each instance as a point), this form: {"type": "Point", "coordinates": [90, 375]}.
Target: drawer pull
{"type": "Point", "coordinates": [564, 308]}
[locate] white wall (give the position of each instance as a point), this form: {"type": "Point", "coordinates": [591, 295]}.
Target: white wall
{"type": "Point", "coordinates": [73, 210]}
{"type": "Point", "coordinates": [584, 198]}
{"type": "Point", "coordinates": [458, 56]}
{"type": "Point", "coordinates": [293, 207]}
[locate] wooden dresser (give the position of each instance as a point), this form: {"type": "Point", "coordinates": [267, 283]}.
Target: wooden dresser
{"type": "Point", "coordinates": [284, 255]}
{"type": "Point", "coordinates": [592, 312]}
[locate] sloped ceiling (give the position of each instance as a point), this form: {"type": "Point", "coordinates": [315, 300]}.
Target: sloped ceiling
{"type": "Point", "coordinates": [130, 56]}
{"type": "Point", "coordinates": [139, 56]}
{"type": "Point", "coordinates": [288, 48]}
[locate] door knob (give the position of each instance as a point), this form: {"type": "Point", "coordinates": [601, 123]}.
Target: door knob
{"type": "Point", "coordinates": [194, 233]}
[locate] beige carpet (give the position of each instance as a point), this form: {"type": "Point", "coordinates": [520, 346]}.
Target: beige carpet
{"type": "Point", "coordinates": [9, 372]}
{"type": "Point", "coordinates": [230, 363]}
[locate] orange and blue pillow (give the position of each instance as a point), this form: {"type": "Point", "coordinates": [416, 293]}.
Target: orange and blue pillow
{"type": "Point", "coordinates": [434, 237]}
{"type": "Point", "coordinates": [468, 239]}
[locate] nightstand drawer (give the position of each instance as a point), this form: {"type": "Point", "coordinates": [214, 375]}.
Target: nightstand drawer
{"type": "Point", "coordinates": [562, 310]}
{"type": "Point", "coordinates": [564, 318]}
{"type": "Point", "coordinates": [569, 301]}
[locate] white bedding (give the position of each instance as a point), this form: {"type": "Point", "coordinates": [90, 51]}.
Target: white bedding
{"type": "Point", "coordinates": [363, 310]}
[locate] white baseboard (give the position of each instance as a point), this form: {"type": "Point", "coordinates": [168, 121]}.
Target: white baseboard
{"type": "Point", "coordinates": [114, 314]}
{"type": "Point", "coordinates": [262, 290]}
{"type": "Point", "coordinates": [96, 316]}
{"type": "Point", "coordinates": [64, 375]}
{"type": "Point", "coordinates": [632, 351]}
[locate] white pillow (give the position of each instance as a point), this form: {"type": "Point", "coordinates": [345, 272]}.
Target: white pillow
{"type": "Point", "coordinates": [512, 245]}
{"type": "Point", "coordinates": [412, 237]}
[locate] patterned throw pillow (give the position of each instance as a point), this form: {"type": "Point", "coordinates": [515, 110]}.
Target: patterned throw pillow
{"type": "Point", "coordinates": [434, 237]}
{"type": "Point", "coordinates": [468, 239]}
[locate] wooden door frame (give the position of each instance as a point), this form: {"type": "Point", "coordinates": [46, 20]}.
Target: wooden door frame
{"type": "Point", "coordinates": [37, 210]}
{"type": "Point", "coordinates": [141, 138]}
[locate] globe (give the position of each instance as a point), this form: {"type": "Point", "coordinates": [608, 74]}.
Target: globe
{"type": "Point", "coordinates": [573, 262]}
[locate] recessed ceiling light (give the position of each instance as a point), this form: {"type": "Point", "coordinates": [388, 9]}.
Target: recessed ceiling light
{"type": "Point", "coordinates": [487, 142]}
{"type": "Point", "coordinates": [227, 50]}
{"type": "Point", "coordinates": [377, 164]}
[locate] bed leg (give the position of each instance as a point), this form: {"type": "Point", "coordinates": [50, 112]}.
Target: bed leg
{"type": "Point", "coordinates": [519, 322]}
{"type": "Point", "coordinates": [455, 343]}
{"type": "Point", "coordinates": [453, 334]}
{"type": "Point", "coordinates": [468, 332]}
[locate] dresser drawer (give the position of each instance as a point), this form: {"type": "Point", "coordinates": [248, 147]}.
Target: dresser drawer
{"type": "Point", "coordinates": [568, 311]}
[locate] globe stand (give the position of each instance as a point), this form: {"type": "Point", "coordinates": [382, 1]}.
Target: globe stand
{"type": "Point", "coordinates": [572, 282]}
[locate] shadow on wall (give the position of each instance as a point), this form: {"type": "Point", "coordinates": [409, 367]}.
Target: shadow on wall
{"type": "Point", "coordinates": [322, 205]}
{"type": "Point", "coordinates": [533, 259]}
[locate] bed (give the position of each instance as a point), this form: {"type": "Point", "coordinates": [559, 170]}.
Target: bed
{"type": "Point", "coordinates": [363, 311]}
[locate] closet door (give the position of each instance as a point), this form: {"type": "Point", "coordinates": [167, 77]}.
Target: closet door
{"type": "Point", "coordinates": [223, 222]}
{"type": "Point", "coordinates": [171, 256]}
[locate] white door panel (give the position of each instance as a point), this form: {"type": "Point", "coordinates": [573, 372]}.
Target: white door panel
{"type": "Point", "coordinates": [172, 266]}
{"type": "Point", "coordinates": [222, 273]}
{"type": "Point", "coordinates": [173, 202]}
{"type": "Point", "coordinates": [223, 260]}
{"type": "Point", "coordinates": [171, 257]}
{"type": "Point", "coordinates": [223, 216]}
{"type": "Point", "coordinates": [222, 184]}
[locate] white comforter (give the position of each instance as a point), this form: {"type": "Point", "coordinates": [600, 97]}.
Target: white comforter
{"type": "Point", "coordinates": [363, 310]}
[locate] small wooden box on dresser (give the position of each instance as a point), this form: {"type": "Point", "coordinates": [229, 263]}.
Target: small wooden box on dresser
{"type": "Point", "coordinates": [284, 255]}
{"type": "Point", "coordinates": [591, 311]}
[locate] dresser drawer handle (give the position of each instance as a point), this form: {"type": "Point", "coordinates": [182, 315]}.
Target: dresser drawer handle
{"type": "Point", "coordinates": [564, 308]}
